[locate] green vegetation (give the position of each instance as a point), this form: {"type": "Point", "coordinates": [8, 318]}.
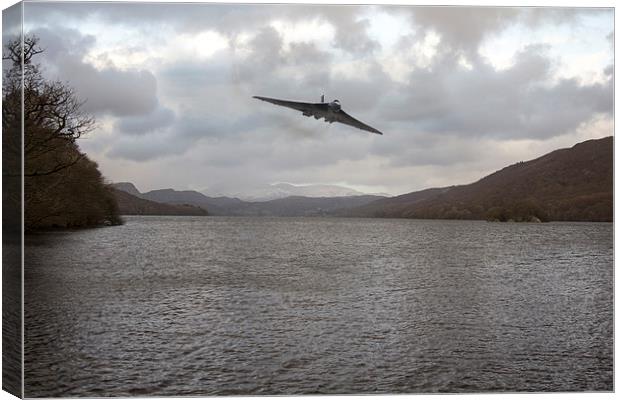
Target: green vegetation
{"type": "Point", "coordinates": [62, 187]}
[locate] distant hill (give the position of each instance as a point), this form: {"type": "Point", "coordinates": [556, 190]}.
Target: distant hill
{"type": "Point", "coordinates": [290, 206]}
{"type": "Point", "coordinates": [127, 187]}
{"type": "Point", "coordinates": [132, 205]}
{"type": "Point", "coordinates": [282, 190]}
{"type": "Point", "coordinates": [175, 196]}
{"type": "Point", "coordinates": [574, 184]}
{"type": "Point", "coordinates": [300, 206]}
{"type": "Point", "coordinates": [215, 205]}
{"type": "Point", "coordinates": [293, 206]}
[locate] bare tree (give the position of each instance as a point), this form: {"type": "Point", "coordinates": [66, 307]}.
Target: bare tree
{"type": "Point", "coordinates": [62, 187]}
{"type": "Point", "coordinates": [52, 112]}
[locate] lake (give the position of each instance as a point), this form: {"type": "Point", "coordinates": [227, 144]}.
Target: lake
{"type": "Point", "coordinates": [232, 305]}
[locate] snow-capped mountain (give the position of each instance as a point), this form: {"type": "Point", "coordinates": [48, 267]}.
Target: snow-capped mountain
{"type": "Point", "coordinates": [281, 190]}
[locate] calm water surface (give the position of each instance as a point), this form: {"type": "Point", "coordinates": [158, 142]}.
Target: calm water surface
{"type": "Point", "coordinates": [216, 305]}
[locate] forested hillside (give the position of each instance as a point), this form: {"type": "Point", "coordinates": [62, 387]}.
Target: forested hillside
{"type": "Point", "coordinates": [129, 204]}
{"type": "Point", "coordinates": [62, 186]}
{"type": "Point", "coordinates": [574, 184]}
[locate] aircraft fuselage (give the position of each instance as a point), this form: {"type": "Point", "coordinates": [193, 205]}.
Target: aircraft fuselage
{"type": "Point", "coordinates": [331, 111]}
{"type": "Point", "coordinates": [333, 108]}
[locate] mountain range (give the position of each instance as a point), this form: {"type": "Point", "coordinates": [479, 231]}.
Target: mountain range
{"type": "Point", "coordinates": [281, 190]}
{"type": "Point", "coordinates": [283, 207]}
{"type": "Point", "coordinates": [130, 204]}
{"type": "Point", "coordinates": [574, 184]}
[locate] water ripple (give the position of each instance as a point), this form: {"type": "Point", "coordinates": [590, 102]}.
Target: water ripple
{"type": "Point", "coordinates": [235, 306]}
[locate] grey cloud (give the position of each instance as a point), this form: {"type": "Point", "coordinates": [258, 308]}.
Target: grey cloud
{"type": "Point", "coordinates": [160, 118]}
{"type": "Point", "coordinates": [438, 120]}
{"type": "Point", "coordinates": [265, 57]}
{"type": "Point", "coordinates": [266, 48]}
{"type": "Point", "coordinates": [63, 43]}
{"type": "Point", "coordinates": [174, 139]}
{"type": "Point", "coordinates": [107, 90]}
{"type": "Point", "coordinates": [361, 93]}
{"type": "Point", "coordinates": [199, 74]}
{"type": "Point", "coordinates": [114, 91]}
{"type": "Point", "coordinates": [463, 28]}
{"type": "Point", "coordinates": [443, 100]}
{"type": "Point", "coordinates": [304, 53]}
{"type": "Point", "coordinates": [11, 29]}
{"type": "Point", "coordinates": [350, 29]}
{"type": "Point", "coordinates": [195, 127]}
{"type": "Point", "coordinates": [136, 149]}
{"type": "Point", "coordinates": [185, 17]}
{"type": "Point", "coordinates": [269, 150]}
{"type": "Point", "coordinates": [264, 67]}
{"type": "Point", "coordinates": [415, 149]}
{"type": "Point", "coordinates": [536, 16]}
{"type": "Point", "coordinates": [515, 103]}
{"type": "Point", "coordinates": [11, 23]}
{"type": "Point", "coordinates": [227, 81]}
{"type": "Point", "coordinates": [351, 33]}
{"type": "Point", "coordinates": [533, 65]}
{"type": "Point", "coordinates": [318, 79]}
{"type": "Point", "coordinates": [174, 136]}
{"type": "Point", "coordinates": [229, 19]}
{"type": "Point", "coordinates": [162, 143]}
{"type": "Point", "coordinates": [266, 137]}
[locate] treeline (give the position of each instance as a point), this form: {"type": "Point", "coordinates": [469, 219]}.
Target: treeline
{"type": "Point", "coordinates": [596, 207]}
{"type": "Point", "coordinates": [510, 211]}
{"type": "Point", "coordinates": [62, 186]}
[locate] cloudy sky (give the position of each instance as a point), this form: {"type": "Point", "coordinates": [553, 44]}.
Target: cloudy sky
{"type": "Point", "coordinates": [458, 92]}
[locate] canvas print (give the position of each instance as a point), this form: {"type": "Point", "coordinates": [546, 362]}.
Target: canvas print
{"type": "Point", "coordinates": [209, 199]}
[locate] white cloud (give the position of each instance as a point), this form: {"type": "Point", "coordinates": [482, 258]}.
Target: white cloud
{"type": "Point", "coordinates": [196, 45]}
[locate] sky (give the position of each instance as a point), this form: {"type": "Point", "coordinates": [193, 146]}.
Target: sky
{"type": "Point", "coordinates": [459, 92]}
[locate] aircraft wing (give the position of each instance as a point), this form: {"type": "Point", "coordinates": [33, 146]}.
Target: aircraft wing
{"type": "Point", "coordinates": [316, 109]}
{"type": "Point", "coordinates": [345, 118]}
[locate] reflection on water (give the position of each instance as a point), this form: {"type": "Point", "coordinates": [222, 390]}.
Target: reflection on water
{"type": "Point", "coordinates": [206, 306]}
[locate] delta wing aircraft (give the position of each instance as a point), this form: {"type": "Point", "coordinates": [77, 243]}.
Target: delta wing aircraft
{"type": "Point", "coordinates": [331, 112]}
